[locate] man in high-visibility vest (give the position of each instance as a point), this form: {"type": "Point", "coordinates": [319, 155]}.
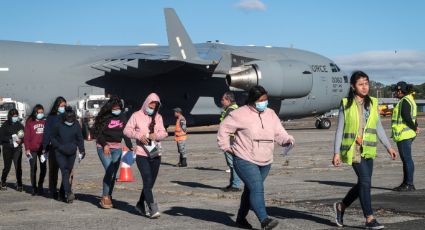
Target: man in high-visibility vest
{"type": "Point", "coordinates": [229, 104]}
{"type": "Point", "coordinates": [404, 130]}
{"type": "Point", "coordinates": [180, 136]}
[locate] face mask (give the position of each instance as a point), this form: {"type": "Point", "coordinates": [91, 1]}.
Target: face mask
{"type": "Point", "coordinates": [40, 116]}
{"type": "Point", "coordinates": [61, 109]}
{"type": "Point", "coordinates": [15, 119]}
{"type": "Point", "coordinates": [116, 112]}
{"type": "Point", "coordinates": [69, 123]}
{"type": "Point", "coordinates": [261, 106]}
{"type": "Point", "coordinates": [149, 111]}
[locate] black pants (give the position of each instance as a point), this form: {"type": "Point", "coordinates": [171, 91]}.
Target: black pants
{"type": "Point", "coordinates": [43, 169]}
{"type": "Point", "coordinates": [12, 154]}
{"type": "Point", "coordinates": [66, 164]}
{"type": "Point", "coordinates": [53, 173]}
{"type": "Point", "coordinates": [149, 169]}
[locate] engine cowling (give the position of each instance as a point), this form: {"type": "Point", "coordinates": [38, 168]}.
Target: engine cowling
{"type": "Point", "coordinates": [282, 79]}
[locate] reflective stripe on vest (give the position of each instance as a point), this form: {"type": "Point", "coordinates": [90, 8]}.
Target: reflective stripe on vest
{"type": "Point", "coordinates": [179, 134]}
{"type": "Point", "coordinates": [400, 131]}
{"type": "Point", "coordinates": [351, 127]}
{"type": "Point", "coordinates": [223, 114]}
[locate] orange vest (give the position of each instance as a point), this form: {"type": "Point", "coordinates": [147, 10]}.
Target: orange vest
{"type": "Point", "coordinates": [179, 134]}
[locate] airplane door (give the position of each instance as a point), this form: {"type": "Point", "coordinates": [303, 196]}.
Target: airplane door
{"type": "Point", "coordinates": [84, 91]}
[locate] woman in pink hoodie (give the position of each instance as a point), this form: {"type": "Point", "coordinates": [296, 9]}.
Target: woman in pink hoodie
{"type": "Point", "coordinates": [145, 126]}
{"type": "Point", "coordinates": [256, 129]}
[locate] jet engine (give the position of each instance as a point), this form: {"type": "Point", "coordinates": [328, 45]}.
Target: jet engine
{"type": "Point", "coordinates": [281, 79]}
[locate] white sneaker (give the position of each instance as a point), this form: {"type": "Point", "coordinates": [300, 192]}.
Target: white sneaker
{"type": "Point", "coordinates": [228, 170]}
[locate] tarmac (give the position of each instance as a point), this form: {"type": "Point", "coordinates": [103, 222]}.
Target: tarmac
{"type": "Point", "coordinates": [299, 190]}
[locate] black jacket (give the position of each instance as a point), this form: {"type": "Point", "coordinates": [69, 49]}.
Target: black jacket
{"type": "Point", "coordinates": [406, 115]}
{"type": "Point", "coordinates": [66, 138]}
{"type": "Point", "coordinates": [7, 130]}
{"type": "Point", "coordinates": [113, 131]}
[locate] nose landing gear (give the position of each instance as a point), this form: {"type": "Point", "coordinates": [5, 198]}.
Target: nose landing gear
{"type": "Point", "coordinates": [323, 123]}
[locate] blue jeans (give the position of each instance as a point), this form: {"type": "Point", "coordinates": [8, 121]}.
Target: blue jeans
{"type": "Point", "coordinates": [361, 190]}
{"type": "Point", "coordinates": [405, 151]}
{"type": "Point", "coordinates": [111, 164]}
{"type": "Point", "coordinates": [235, 181]}
{"type": "Point", "coordinates": [66, 164]}
{"type": "Point", "coordinates": [253, 194]}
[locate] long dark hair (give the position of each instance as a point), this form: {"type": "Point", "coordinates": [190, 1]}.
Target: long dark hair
{"type": "Point", "coordinates": [105, 113]}
{"type": "Point", "coordinates": [58, 101]}
{"type": "Point", "coordinates": [254, 94]}
{"type": "Point", "coordinates": [155, 112]}
{"type": "Point", "coordinates": [33, 115]}
{"type": "Point", "coordinates": [12, 113]}
{"type": "Point", "coordinates": [352, 93]}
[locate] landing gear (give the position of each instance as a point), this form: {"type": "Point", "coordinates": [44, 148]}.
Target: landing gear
{"type": "Point", "coordinates": [323, 123]}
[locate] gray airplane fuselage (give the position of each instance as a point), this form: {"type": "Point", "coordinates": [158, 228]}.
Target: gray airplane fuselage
{"type": "Point", "coordinates": [38, 72]}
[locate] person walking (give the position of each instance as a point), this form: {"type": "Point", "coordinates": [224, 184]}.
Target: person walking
{"type": "Point", "coordinates": [359, 128]}
{"type": "Point", "coordinates": [52, 120]}
{"type": "Point", "coordinates": [34, 129]}
{"type": "Point", "coordinates": [66, 137]}
{"type": "Point", "coordinates": [256, 128]}
{"type": "Point", "coordinates": [108, 130]}
{"type": "Point", "coordinates": [229, 104]}
{"type": "Point", "coordinates": [404, 130]}
{"type": "Point", "coordinates": [12, 139]}
{"type": "Point", "coordinates": [147, 127]}
{"type": "Point", "coordinates": [180, 136]}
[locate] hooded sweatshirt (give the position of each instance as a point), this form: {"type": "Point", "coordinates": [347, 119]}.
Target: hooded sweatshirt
{"type": "Point", "coordinates": [138, 125]}
{"type": "Point", "coordinates": [255, 134]}
{"type": "Point", "coordinates": [33, 131]}
{"type": "Point", "coordinates": [10, 128]}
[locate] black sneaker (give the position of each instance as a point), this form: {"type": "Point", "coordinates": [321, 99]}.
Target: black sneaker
{"type": "Point", "coordinates": [3, 186]}
{"type": "Point", "coordinates": [19, 188]}
{"type": "Point", "coordinates": [269, 223]}
{"type": "Point", "coordinates": [229, 188]}
{"type": "Point", "coordinates": [55, 195]}
{"type": "Point", "coordinates": [243, 223]}
{"type": "Point", "coordinates": [404, 188]}
{"type": "Point", "coordinates": [339, 215]}
{"type": "Point", "coordinates": [374, 225]}
{"type": "Point", "coordinates": [40, 191]}
{"type": "Point", "coordinates": [34, 191]}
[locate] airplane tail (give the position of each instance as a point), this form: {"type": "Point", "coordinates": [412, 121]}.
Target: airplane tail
{"type": "Point", "coordinates": [181, 46]}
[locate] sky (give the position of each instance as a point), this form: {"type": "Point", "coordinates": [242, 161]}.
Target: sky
{"type": "Point", "coordinates": [384, 38]}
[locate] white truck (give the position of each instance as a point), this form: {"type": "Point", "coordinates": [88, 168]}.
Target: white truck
{"type": "Point", "coordinates": [87, 110]}
{"type": "Point", "coordinates": [7, 104]}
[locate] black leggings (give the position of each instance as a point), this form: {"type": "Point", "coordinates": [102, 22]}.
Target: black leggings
{"type": "Point", "coordinates": [14, 155]}
{"type": "Point", "coordinates": [43, 169]}
{"type": "Point", "coordinates": [149, 170]}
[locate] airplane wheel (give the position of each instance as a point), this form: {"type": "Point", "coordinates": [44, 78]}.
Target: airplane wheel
{"type": "Point", "coordinates": [325, 123]}
{"type": "Point", "coordinates": [317, 124]}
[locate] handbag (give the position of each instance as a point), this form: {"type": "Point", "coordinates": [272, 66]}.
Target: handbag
{"type": "Point", "coordinates": [152, 149]}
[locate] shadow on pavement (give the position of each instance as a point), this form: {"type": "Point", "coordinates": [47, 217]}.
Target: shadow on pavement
{"type": "Point", "coordinates": [195, 185]}
{"type": "Point", "coordinates": [208, 169]}
{"type": "Point", "coordinates": [342, 184]}
{"type": "Point", "coordinates": [94, 200]}
{"type": "Point", "coordinates": [284, 213]}
{"type": "Point", "coordinates": [203, 214]}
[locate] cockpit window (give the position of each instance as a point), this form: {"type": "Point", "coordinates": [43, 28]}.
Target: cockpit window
{"type": "Point", "coordinates": [334, 68]}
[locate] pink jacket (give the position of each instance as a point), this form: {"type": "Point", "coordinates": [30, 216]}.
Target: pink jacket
{"type": "Point", "coordinates": [255, 134]}
{"type": "Point", "coordinates": [138, 125]}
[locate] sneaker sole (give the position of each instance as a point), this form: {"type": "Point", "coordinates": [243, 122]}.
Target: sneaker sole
{"type": "Point", "coordinates": [336, 219]}
{"type": "Point", "coordinates": [105, 206]}
{"type": "Point", "coordinates": [155, 216]}
{"type": "Point", "coordinates": [272, 225]}
{"type": "Point", "coordinates": [380, 227]}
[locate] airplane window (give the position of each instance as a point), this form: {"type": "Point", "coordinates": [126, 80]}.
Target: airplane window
{"type": "Point", "coordinates": [334, 67]}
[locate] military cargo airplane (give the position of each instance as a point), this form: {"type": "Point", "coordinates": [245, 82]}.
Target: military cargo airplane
{"type": "Point", "coordinates": [191, 76]}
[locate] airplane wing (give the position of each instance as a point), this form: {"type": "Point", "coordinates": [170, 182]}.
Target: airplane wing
{"type": "Point", "coordinates": [181, 53]}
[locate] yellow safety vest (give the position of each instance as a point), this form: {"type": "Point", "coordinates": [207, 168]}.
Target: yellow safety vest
{"type": "Point", "coordinates": [351, 127]}
{"type": "Point", "coordinates": [223, 114]}
{"type": "Point", "coordinates": [400, 131]}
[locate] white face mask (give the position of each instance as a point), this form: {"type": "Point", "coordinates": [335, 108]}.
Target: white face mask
{"type": "Point", "coordinates": [69, 123]}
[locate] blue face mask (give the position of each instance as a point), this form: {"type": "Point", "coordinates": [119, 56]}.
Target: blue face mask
{"type": "Point", "coordinates": [116, 112]}
{"type": "Point", "coordinates": [261, 106]}
{"type": "Point", "coordinates": [149, 111]}
{"type": "Point", "coordinates": [15, 119]}
{"type": "Point", "coordinates": [61, 109]}
{"type": "Point", "coordinates": [69, 123]}
{"type": "Point", "coordinates": [40, 116]}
